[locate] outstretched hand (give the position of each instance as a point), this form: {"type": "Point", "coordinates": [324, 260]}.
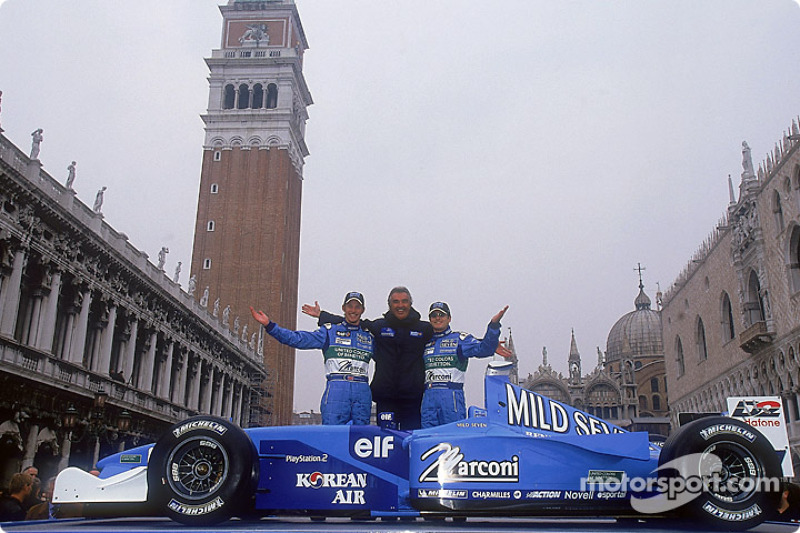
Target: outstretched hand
{"type": "Point", "coordinates": [312, 310]}
{"type": "Point", "coordinates": [499, 316]}
{"type": "Point", "coordinates": [503, 351]}
{"type": "Point", "coordinates": [260, 316]}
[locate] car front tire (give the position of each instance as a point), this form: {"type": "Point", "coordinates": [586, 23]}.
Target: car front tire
{"type": "Point", "coordinates": [203, 471]}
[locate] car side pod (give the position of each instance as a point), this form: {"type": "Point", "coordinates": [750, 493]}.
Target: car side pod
{"type": "Point", "coordinates": [73, 485]}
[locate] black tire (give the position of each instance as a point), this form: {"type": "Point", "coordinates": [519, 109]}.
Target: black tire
{"type": "Point", "coordinates": [748, 491]}
{"type": "Point", "coordinates": [203, 471]}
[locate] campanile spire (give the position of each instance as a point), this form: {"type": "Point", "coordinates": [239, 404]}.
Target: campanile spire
{"type": "Point", "coordinates": [247, 231]}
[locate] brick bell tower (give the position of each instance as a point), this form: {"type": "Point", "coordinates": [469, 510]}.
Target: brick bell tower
{"type": "Point", "coordinates": [247, 233]}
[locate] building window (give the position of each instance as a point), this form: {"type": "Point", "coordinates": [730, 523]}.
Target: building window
{"type": "Point", "coordinates": [653, 384]}
{"type": "Point", "coordinates": [258, 96]}
{"type": "Point", "coordinates": [777, 211]}
{"type": "Point", "coordinates": [217, 156]}
{"type": "Point", "coordinates": [754, 306]}
{"type": "Point", "coordinates": [206, 264]}
{"type": "Point", "coordinates": [794, 259]}
{"type": "Point", "coordinates": [272, 96]}
{"type": "Point", "coordinates": [728, 332]}
{"type": "Point", "coordinates": [643, 403]}
{"type": "Point", "coordinates": [229, 98]}
{"type": "Point", "coordinates": [244, 96]}
{"type": "Point", "coordinates": [702, 347]}
{"type": "Point", "coordinates": [210, 226]}
{"type": "Point", "coordinates": [656, 402]}
{"type": "Point", "coordinates": [679, 356]}
{"type": "Point", "coordinates": [214, 188]}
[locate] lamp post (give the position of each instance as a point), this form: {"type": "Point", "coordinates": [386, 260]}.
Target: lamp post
{"type": "Point", "coordinates": [95, 426]}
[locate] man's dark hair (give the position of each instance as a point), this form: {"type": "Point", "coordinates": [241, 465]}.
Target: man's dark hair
{"type": "Point", "coordinates": [397, 289]}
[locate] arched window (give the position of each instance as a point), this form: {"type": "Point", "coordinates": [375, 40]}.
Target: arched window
{"type": "Point", "coordinates": [794, 260]}
{"type": "Point", "coordinates": [258, 96]}
{"type": "Point", "coordinates": [643, 403]}
{"type": "Point", "coordinates": [214, 188]}
{"type": "Point", "coordinates": [700, 339]}
{"type": "Point", "coordinates": [728, 332]}
{"type": "Point", "coordinates": [244, 96]}
{"type": "Point", "coordinates": [210, 226]}
{"type": "Point", "coordinates": [653, 384]}
{"type": "Point", "coordinates": [230, 97]}
{"type": "Point", "coordinates": [777, 210]}
{"type": "Point", "coordinates": [754, 306]}
{"type": "Point", "coordinates": [679, 356]}
{"type": "Point", "coordinates": [656, 402]}
{"type": "Point", "coordinates": [272, 96]}
{"type": "Point", "coordinates": [217, 156]}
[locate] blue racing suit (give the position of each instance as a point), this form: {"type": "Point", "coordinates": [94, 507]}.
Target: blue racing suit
{"type": "Point", "coordinates": [446, 357]}
{"type": "Point", "coordinates": [347, 350]}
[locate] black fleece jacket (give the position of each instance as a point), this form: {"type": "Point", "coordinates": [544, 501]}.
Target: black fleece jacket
{"type": "Point", "coordinates": [399, 345]}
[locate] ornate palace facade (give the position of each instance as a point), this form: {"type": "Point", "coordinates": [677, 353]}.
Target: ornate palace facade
{"type": "Point", "coordinates": [99, 348]}
{"type": "Point", "coordinates": [732, 317]}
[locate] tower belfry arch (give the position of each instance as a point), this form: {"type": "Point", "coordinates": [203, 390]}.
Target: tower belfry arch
{"type": "Point", "coordinates": [247, 231]}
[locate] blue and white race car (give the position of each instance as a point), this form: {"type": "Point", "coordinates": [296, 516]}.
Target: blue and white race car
{"type": "Point", "coordinates": [523, 455]}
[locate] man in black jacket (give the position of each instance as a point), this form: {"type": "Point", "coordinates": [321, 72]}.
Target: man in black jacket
{"type": "Point", "coordinates": [400, 337]}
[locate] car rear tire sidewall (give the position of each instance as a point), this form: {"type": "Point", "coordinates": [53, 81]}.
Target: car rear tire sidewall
{"type": "Point", "coordinates": [202, 471]}
{"type": "Point", "coordinates": [745, 453]}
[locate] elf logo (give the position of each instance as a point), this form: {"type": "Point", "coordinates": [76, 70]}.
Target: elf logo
{"type": "Point", "coordinates": [379, 447]}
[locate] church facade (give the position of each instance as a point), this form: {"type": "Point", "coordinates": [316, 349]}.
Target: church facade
{"type": "Point", "coordinates": [627, 385]}
{"type": "Point", "coordinates": [732, 317]}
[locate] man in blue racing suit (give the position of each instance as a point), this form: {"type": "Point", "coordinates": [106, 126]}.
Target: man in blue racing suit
{"type": "Point", "coordinates": [446, 357]}
{"type": "Point", "coordinates": [348, 349]}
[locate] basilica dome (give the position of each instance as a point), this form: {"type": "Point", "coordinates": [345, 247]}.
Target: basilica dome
{"type": "Point", "coordinates": [636, 334]}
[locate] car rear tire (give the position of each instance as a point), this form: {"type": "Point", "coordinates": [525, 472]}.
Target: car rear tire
{"type": "Point", "coordinates": [744, 488]}
{"type": "Point", "coordinates": [203, 471]}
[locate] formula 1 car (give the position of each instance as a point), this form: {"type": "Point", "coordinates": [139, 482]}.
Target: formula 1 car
{"type": "Point", "coordinates": [523, 455]}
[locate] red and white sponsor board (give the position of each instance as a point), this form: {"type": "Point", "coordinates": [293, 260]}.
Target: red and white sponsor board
{"type": "Point", "coordinates": [765, 413]}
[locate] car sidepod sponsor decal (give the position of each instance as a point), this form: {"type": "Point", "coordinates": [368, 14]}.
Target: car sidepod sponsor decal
{"type": "Point", "coordinates": [451, 467]}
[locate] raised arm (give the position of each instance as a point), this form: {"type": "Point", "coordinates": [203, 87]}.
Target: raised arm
{"type": "Point", "coordinates": [472, 347]}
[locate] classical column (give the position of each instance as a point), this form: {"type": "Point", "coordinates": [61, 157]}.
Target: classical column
{"type": "Point", "coordinates": [237, 406]}
{"type": "Point", "coordinates": [107, 340]}
{"type": "Point", "coordinates": [209, 391]}
{"type": "Point", "coordinates": [30, 446]}
{"type": "Point", "coordinates": [220, 398]}
{"type": "Point", "coordinates": [229, 399]}
{"type": "Point", "coordinates": [130, 350]}
{"type": "Point", "coordinates": [194, 394]}
{"type": "Point", "coordinates": [9, 305]}
{"type": "Point", "coordinates": [32, 334]}
{"type": "Point", "coordinates": [180, 394]}
{"type": "Point", "coordinates": [48, 326]}
{"type": "Point", "coordinates": [66, 448]}
{"type": "Point", "coordinates": [80, 327]}
{"type": "Point", "coordinates": [166, 372]}
{"type": "Point", "coordinates": [146, 370]}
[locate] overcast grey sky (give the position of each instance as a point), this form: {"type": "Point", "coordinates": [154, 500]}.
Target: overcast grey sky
{"type": "Point", "coordinates": [523, 152]}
